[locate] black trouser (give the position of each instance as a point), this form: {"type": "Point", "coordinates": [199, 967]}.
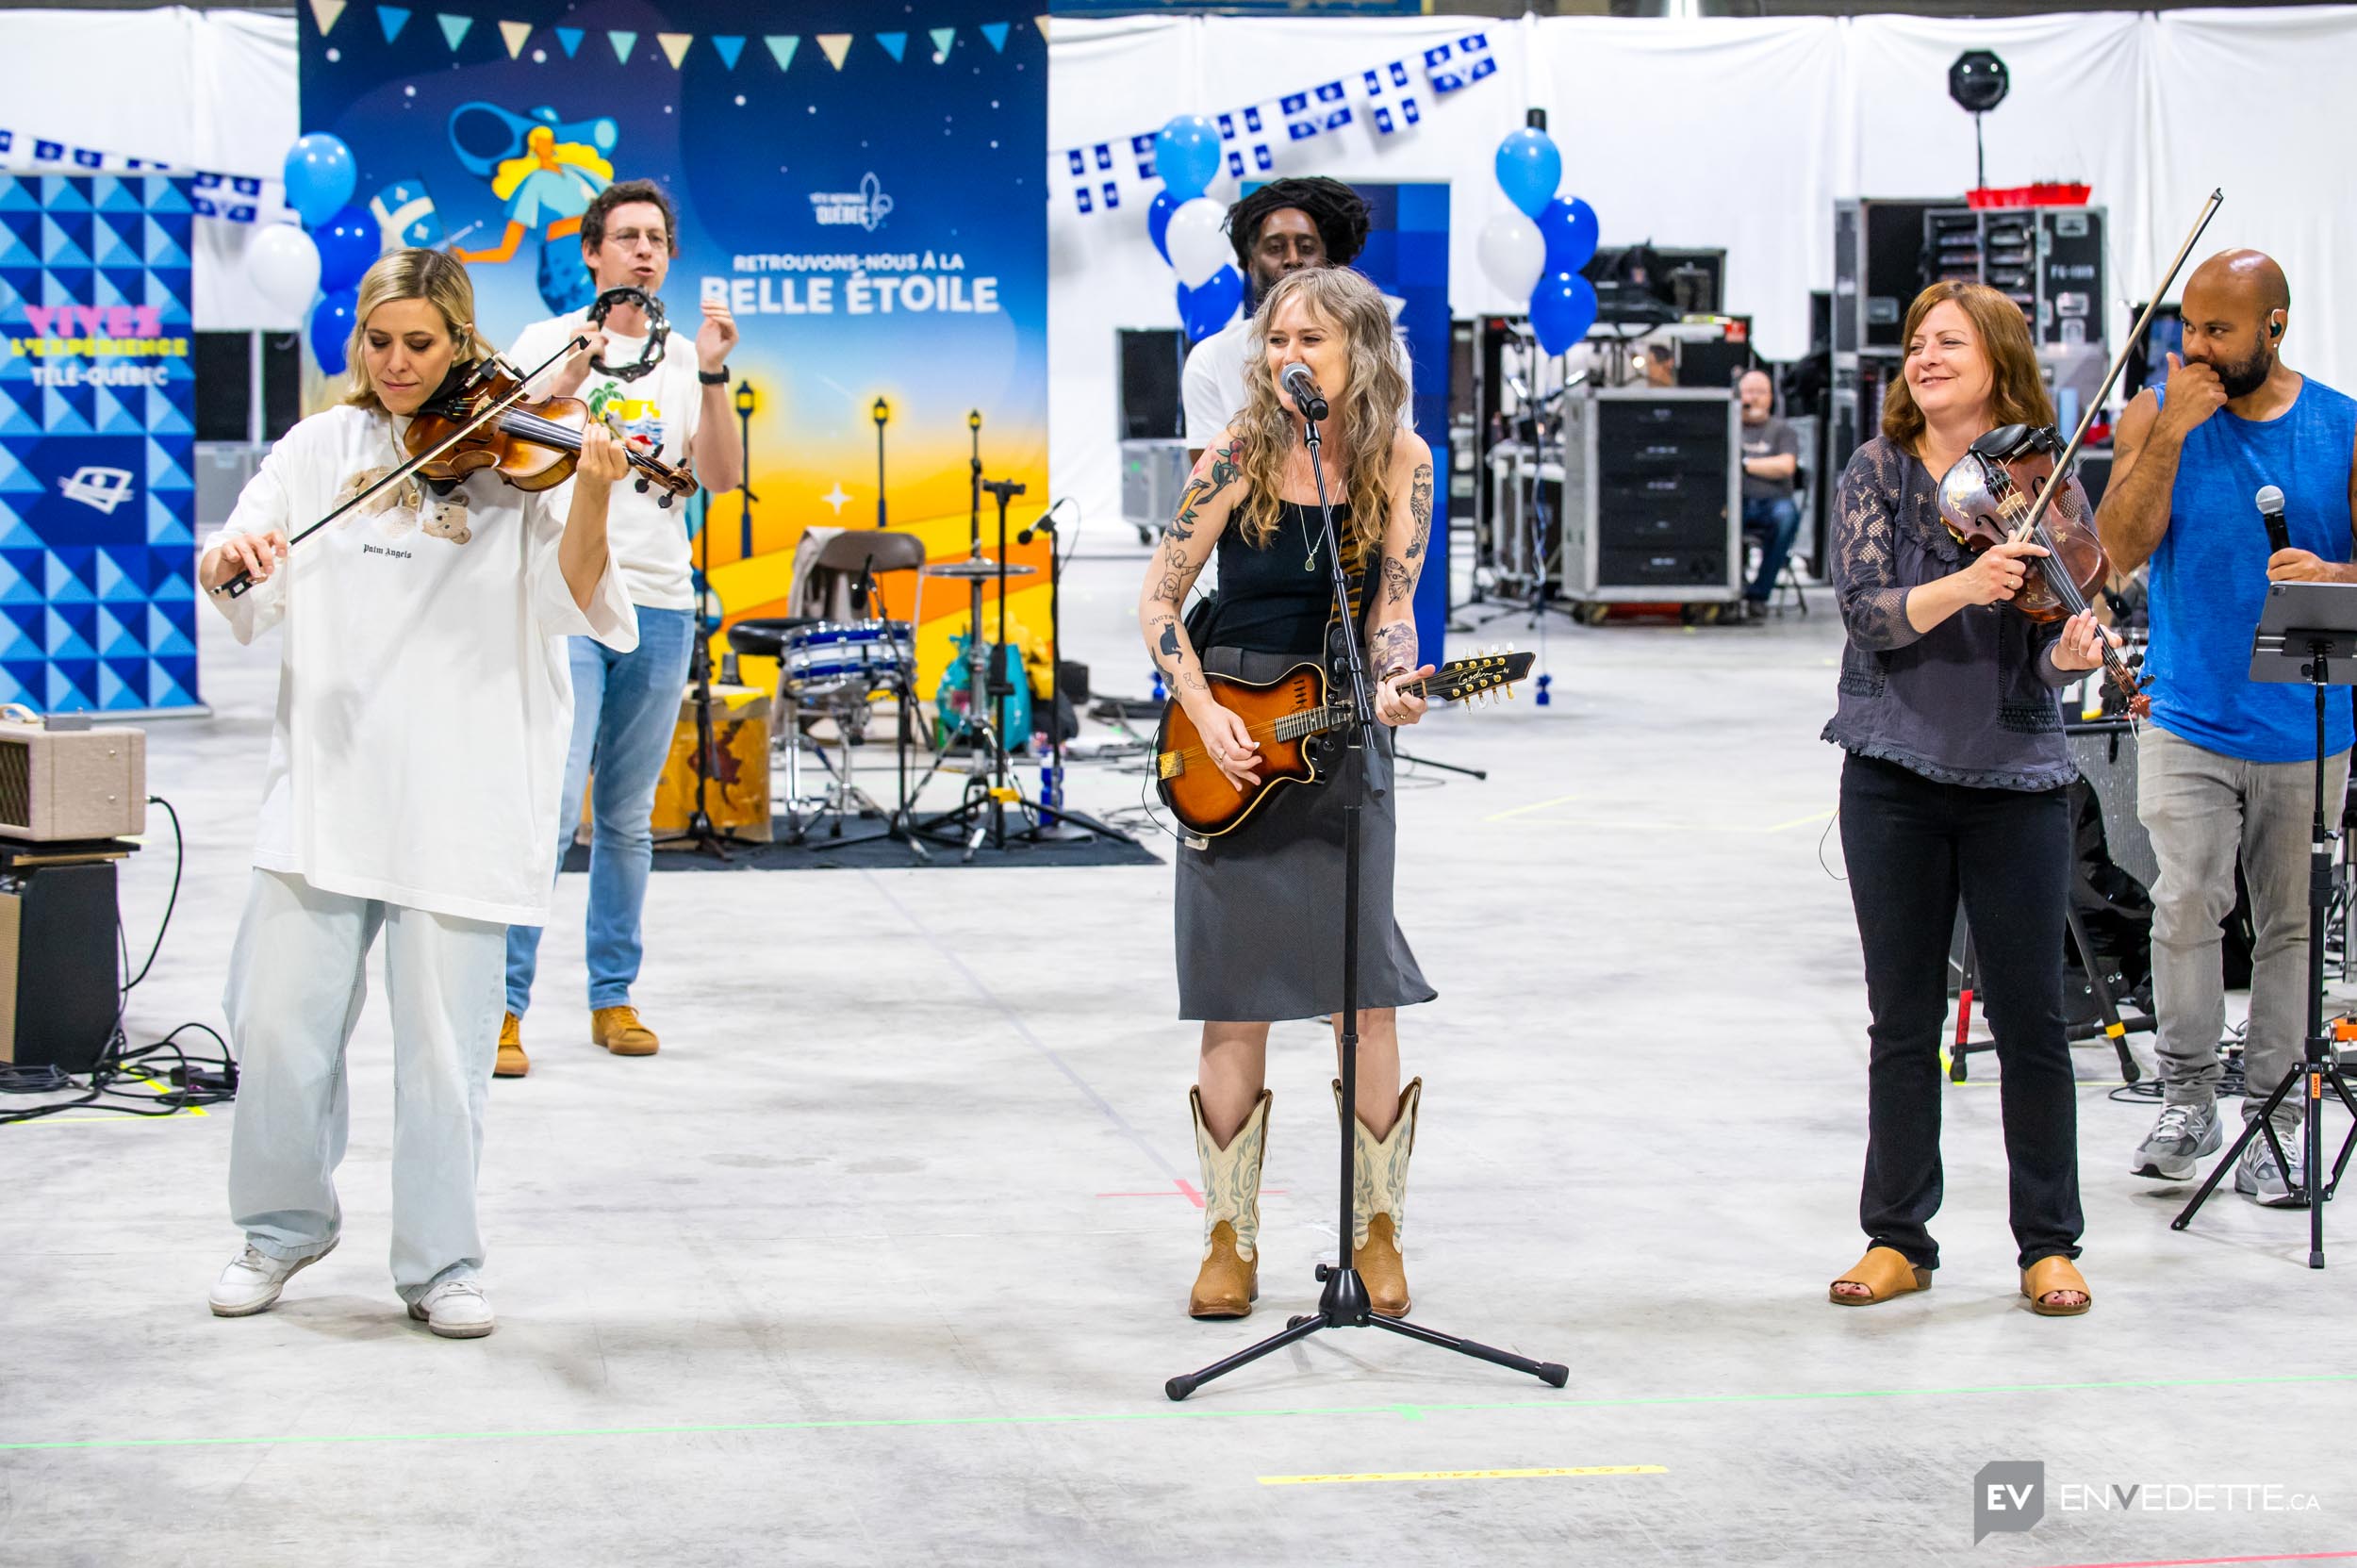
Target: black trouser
{"type": "Point", "coordinates": [1914, 847]}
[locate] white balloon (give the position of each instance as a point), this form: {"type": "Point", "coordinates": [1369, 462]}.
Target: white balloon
{"type": "Point", "coordinates": [1197, 240]}
{"type": "Point", "coordinates": [285, 266]}
{"type": "Point", "coordinates": [1513, 252]}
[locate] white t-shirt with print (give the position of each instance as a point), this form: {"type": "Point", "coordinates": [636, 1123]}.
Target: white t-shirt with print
{"type": "Point", "coordinates": [1212, 383]}
{"type": "Point", "coordinates": [424, 697]}
{"type": "Point", "coordinates": [650, 542]}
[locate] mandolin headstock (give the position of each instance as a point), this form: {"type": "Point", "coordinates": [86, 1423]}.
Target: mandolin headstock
{"type": "Point", "coordinates": [1481, 678]}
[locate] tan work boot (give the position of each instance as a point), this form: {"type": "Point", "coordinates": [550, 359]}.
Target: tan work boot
{"type": "Point", "coordinates": [1230, 1279]}
{"type": "Point", "coordinates": [618, 1030]}
{"type": "Point", "coordinates": [1379, 1207]}
{"type": "Point", "coordinates": [513, 1062]}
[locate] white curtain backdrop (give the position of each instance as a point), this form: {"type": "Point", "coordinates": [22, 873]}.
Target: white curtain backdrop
{"type": "Point", "coordinates": [210, 89]}
{"type": "Point", "coordinates": [1741, 133]}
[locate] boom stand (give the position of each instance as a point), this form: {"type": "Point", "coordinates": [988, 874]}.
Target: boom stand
{"type": "Point", "coordinates": [2304, 627]}
{"type": "Point", "coordinates": [1343, 1303]}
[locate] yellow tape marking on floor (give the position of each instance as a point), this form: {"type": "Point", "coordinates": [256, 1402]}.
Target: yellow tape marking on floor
{"type": "Point", "coordinates": [1466, 1475]}
{"type": "Point", "coordinates": [1534, 805]}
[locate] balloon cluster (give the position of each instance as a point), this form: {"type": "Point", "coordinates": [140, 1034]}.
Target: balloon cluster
{"type": "Point", "coordinates": [319, 270]}
{"type": "Point", "coordinates": [1537, 248]}
{"type": "Point", "coordinates": [1190, 229]}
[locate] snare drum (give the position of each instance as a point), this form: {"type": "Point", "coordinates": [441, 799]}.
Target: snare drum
{"type": "Point", "coordinates": [831, 658]}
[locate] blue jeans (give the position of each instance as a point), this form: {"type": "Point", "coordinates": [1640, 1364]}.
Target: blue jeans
{"type": "Point", "coordinates": [1778, 521]}
{"type": "Point", "coordinates": [624, 709]}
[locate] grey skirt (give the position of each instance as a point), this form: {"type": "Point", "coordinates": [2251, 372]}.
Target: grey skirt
{"type": "Point", "coordinates": [1260, 910]}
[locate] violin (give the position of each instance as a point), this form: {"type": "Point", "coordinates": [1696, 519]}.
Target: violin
{"type": "Point", "coordinates": [479, 420]}
{"type": "Point", "coordinates": [2005, 488]}
{"type": "Point", "coordinates": [532, 443]}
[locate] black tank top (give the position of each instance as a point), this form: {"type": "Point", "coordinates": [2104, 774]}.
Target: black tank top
{"type": "Point", "coordinates": [1269, 602]}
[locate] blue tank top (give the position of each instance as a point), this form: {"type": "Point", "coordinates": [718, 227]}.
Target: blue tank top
{"type": "Point", "coordinates": [2208, 578]}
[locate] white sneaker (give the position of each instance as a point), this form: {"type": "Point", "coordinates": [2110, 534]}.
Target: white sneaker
{"type": "Point", "coordinates": [251, 1281]}
{"type": "Point", "coordinates": [455, 1309]}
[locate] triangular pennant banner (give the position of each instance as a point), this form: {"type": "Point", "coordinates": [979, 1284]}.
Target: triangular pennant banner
{"type": "Point", "coordinates": [942, 38]}
{"type": "Point", "coordinates": [624, 43]}
{"type": "Point", "coordinates": [896, 44]}
{"type": "Point", "coordinates": [996, 33]}
{"type": "Point", "coordinates": [513, 34]}
{"type": "Point", "coordinates": [570, 39]}
{"type": "Point", "coordinates": [675, 45]}
{"type": "Point", "coordinates": [327, 13]}
{"type": "Point", "coordinates": [837, 45]}
{"type": "Point", "coordinates": [782, 46]}
{"type": "Point", "coordinates": [393, 19]}
{"type": "Point", "coordinates": [453, 28]}
{"type": "Point", "coordinates": [728, 49]}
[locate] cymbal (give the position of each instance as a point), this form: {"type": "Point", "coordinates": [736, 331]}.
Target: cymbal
{"type": "Point", "coordinates": [978, 568]}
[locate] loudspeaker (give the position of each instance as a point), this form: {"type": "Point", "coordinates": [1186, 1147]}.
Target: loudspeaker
{"type": "Point", "coordinates": [1153, 364]}
{"type": "Point", "coordinates": [57, 974]}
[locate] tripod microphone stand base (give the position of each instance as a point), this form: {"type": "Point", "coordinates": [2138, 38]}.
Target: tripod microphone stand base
{"type": "Point", "coordinates": [1343, 1304]}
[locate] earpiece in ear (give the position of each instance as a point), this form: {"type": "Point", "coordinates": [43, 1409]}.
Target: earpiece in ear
{"type": "Point", "coordinates": [2275, 328]}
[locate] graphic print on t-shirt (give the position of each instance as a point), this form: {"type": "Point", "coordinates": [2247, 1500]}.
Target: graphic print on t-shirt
{"type": "Point", "coordinates": [397, 507]}
{"type": "Point", "coordinates": [633, 418]}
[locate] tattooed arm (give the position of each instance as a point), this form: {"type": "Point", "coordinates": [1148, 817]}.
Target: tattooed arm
{"type": "Point", "coordinates": [1391, 624]}
{"type": "Point", "coordinates": [1204, 508]}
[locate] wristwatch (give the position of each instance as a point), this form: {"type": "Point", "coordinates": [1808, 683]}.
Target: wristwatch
{"type": "Point", "coordinates": [713, 378]}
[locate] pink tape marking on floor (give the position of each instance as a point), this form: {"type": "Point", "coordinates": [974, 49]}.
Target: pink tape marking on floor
{"type": "Point", "coordinates": [1181, 1188]}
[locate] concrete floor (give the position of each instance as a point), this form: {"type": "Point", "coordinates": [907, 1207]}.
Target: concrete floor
{"type": "Point", "coordinates": [881, 1260]}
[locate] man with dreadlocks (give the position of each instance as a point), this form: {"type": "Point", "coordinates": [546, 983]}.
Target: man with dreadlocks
{"type": "Point", "coordinates": [1284, 226]}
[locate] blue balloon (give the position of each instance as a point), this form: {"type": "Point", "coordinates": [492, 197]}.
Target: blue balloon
{"type": "Point", "coordinates": [349, 243]}
{"type": "Point", "coordinates": [320, 177]}
{"type": "Point", "coordinates": [1186, 156]}
{"type": "Point", "coordinates": [1206, 309]}
{"type": "Point", "coordinates": [1158, 220]}
{"type": "Point", "coordinates": [1562, 308]}
{"type": "Point", "coordinates": [332, 321]}
{"type": "Point", "coordinates": [1530, 169]}
{"type": "Point", "coordinates": [1570, 227]}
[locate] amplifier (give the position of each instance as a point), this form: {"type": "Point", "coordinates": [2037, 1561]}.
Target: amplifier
{"type": "Point", "coordinates": [57, 974]}
{"type": "Point", "coordinates": [62, 784]}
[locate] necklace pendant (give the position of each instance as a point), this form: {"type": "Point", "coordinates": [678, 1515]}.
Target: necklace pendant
{"type": "Point", "coordinates": [1311, 563]}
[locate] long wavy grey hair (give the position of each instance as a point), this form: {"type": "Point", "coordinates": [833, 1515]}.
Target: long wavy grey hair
{"type": "Point", "coordinates": [1365, 411]}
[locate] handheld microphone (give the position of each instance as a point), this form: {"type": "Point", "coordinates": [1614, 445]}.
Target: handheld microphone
{"type": "Point", "coordinates": [2271, 504]}
{"type": "Point", "coordinates": [1296, 379]}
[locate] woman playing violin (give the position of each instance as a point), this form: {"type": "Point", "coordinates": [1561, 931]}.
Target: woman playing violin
{"type": "Point", "coordinates": [1955, 787]}
{"type": "Point", "coordinates": [418, 738]}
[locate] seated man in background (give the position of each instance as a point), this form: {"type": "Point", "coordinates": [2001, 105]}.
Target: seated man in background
{"type": "Point", "coordinates": [1772, 458]}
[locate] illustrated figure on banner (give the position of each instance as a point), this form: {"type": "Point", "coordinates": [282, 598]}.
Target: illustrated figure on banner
{"type": "Point", "coordinates": [547, 171]}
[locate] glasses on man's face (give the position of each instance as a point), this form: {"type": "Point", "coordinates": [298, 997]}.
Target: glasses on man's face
{"type": "Point", "coordinates": [630, 240]}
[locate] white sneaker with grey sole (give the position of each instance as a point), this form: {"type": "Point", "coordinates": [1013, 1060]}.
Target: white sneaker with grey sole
{"type": "Point", "coordinates": [455, 1309]}
{"type": "Point", "coordinates": [251, 1281]}
{"type": "Point", "coordinates": [2257, 1178]}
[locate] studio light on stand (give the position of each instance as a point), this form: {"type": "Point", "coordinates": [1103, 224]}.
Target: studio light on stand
{"type": "Point", "coordinates": [882, 414]}
{"type": "Point", "coordinates": [1978, 83]}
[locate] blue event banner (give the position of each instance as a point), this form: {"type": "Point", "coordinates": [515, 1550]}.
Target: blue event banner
{"type": "Point", "coordinates": [97, 561]}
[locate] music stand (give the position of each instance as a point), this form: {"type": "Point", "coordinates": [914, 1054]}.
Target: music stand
{"type": "Point", "coordinates": [2304, 628]}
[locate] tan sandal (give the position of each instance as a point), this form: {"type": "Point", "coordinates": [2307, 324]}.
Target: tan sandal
{"type": "Point", "coordinates": [2049, 1275]}
{"type": "Point", "coordinates": [1884, 1272]}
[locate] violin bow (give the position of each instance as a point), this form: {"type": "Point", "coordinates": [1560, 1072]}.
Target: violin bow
{"type": "Point", "coordinates": [243, 584]}
{"type": "Point", "coordinates": [2034, 527]}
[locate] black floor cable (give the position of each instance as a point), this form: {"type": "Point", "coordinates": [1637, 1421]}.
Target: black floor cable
{"type": "Point", "coordinates": [187, 1082]}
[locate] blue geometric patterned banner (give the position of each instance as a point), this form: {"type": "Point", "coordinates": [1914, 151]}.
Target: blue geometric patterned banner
{"type": "Point", "coordinates": [97, 580]}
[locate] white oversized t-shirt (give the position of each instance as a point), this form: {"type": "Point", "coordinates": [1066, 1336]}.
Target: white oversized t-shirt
{"type": "Point", "coordinates": [424, 703]}
{"type": "Point", "coordinates": [650, 541]}
{"type": "Point", "coordinates": [1213, 381]}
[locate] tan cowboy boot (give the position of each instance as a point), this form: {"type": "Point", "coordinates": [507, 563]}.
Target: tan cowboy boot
{"type": "Point", "coordinates": [1379, 1208]}
{"type": "Point", "coordinates": [1230, 1279]}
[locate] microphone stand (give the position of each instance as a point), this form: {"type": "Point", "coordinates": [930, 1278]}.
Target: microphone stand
{"type": "Point", "coordinates": [1343, 1303]}
{"type": "Point", "coordinates": [700, 835]}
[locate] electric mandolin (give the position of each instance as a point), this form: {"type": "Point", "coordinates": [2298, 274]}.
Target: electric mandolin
{"type": "Point", "coordinates": [1283, 715]}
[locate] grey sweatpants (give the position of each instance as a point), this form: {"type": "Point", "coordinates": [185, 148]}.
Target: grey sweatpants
{"type": "Point", "coordinates": [2200, 808]}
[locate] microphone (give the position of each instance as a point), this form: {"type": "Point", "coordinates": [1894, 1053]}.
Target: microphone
{"type": "Point", "coordinates": [1294, 378]}
{"type": "Point", "coordinates": [2271, 504]}
{"type": "Point", "coordinates": [1044, 524]}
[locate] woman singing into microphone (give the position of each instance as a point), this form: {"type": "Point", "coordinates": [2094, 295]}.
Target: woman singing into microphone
{"type": "Point", "coordinates": [416, 753]}
{"type": "Point", "coordinates": [1955, 788]}
{"type": "Point", "coordinates": [1259, 909]}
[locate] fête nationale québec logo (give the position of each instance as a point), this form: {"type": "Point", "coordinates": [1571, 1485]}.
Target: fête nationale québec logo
{"type": "Point", "coordinates": [868, 207]}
